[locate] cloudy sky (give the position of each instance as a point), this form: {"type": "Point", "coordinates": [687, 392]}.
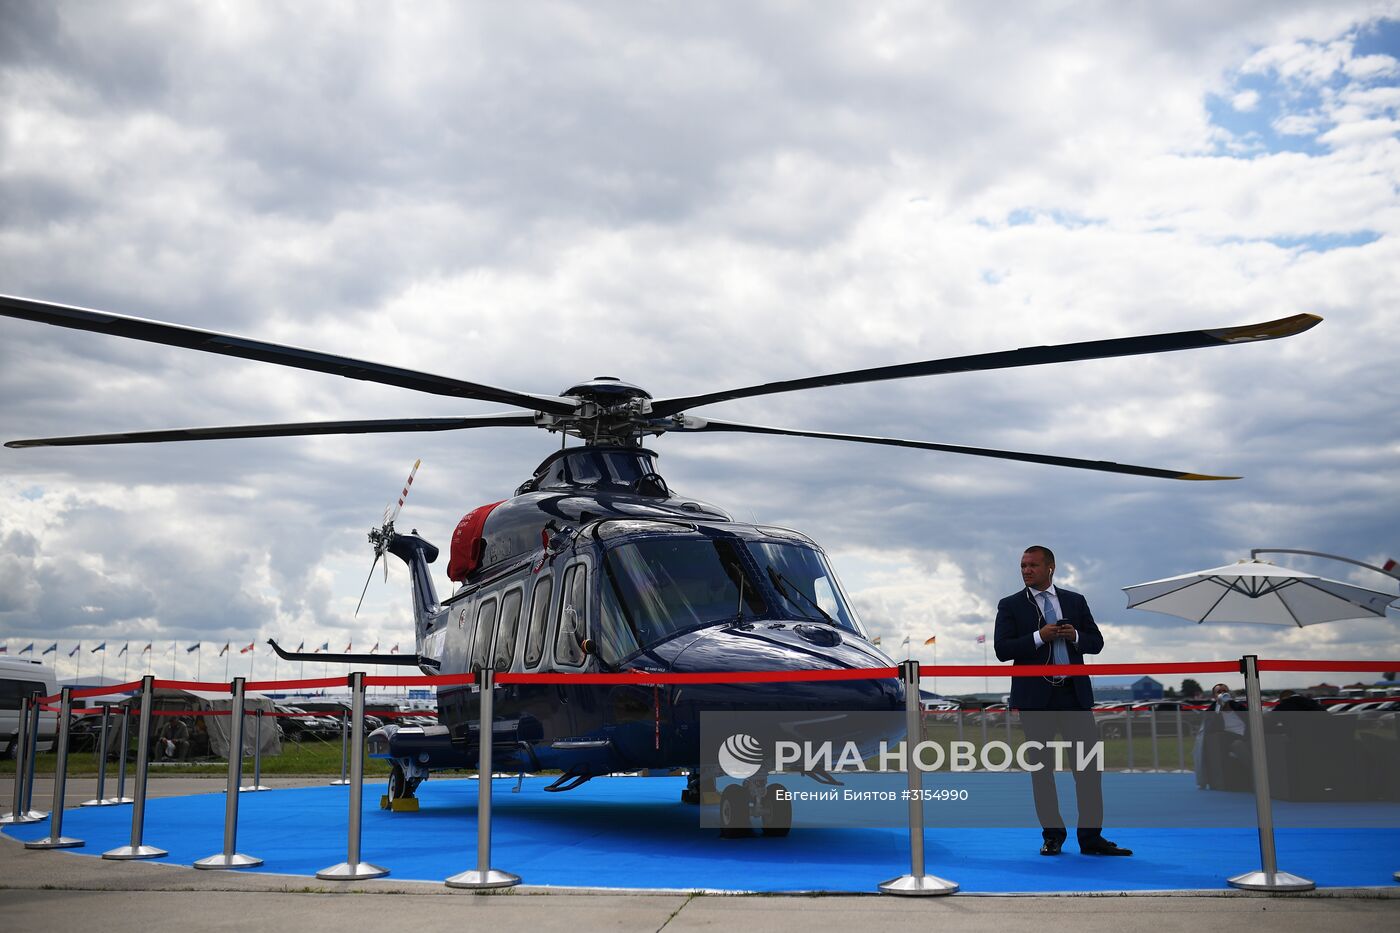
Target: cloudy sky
{"type": "Point", "coordinates": [695, 199]}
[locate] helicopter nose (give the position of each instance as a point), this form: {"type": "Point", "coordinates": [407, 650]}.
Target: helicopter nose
{"type": "Point", "coordinates": [785, 646]}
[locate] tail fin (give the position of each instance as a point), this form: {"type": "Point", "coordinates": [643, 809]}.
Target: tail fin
{"type": "Point", "coordinates": [418, 554]}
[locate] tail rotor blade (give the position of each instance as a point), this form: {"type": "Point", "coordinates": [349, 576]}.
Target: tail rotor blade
{"type": "Point", "coordinates": [369, 578]}
{"type": "Point", "coordinates": [406, 487]}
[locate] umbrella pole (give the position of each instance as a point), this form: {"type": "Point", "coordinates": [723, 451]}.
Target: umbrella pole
{"type": "Point", "coordinates": [1268, 878]}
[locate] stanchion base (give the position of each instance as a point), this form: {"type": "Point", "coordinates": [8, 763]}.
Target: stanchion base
{"type": "Point", "coordinates": [253, 787]}
{"type": "Point", "coordinates": [1263, 881]}
{"type": "Point", "coordinates": [351, 871]}
{"type": "Point", "coordinates": [100, 802]}
{"type": "Point", "coordinates": [123, 800]}
{"type": "Point", "coordinates": [1396, 876]}
{"type": "Point", "coordinates": [918, 886]}
{"type": "Point", "coordinates": [491, 878]}
{"type": "Point", "coordinates": [339, 783]}
{"type": "Point", "coordinates": [62, 842]}
{"type": "Point", "coordinates": [33, 816]}
{"type": "Point", "coordinates": [122, 853]}
{"type": "Point", "coordinates": [236, 860]}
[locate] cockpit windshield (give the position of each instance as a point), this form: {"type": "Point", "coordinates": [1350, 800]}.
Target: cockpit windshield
{"type": "Point", "coordinates": [653, 588]}
{"type": "Point", "coordinates": [805, 582]}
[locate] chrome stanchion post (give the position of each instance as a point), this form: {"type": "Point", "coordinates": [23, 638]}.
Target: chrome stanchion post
{"type": "Point", "coordinates": [19, 811]}
{"type": "Point", "coordinates": [916, 882]}
{"type": "Point", "coordinates": [484, 876]}
{"type": "Point", "coordinates": [257, 754]}
{"type": "Point", "coordinates": [101, 799]}
{"type": "Point", "coordinates": [36, 713]}
{"type": "Point", "coordinates": [231, 857]}
{"type": "Point", "coordinates": [1268, 878]}
{"type": "Point", "coordinates": [121, 756]}
{"type": "Point", "coordinates": [56, 839]}
{"type": "Point", "coordinates": [960, 721]}
{"type": "Point", "coordinates": [352, 869]}
{"type": "Point", "coordinates": [344, 752]}
{"type": "Point", "coordinates": [143, 760]}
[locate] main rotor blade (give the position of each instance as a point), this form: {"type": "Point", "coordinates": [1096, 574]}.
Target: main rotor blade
{"type": "Point", "coordinates": [694, 425]}
{"type": "Point", "coordinates": [385, 426]}
{"type": "Point", "coordinates": [1007, 359]}
{"type": "Point", "coordinates": [175, 335]}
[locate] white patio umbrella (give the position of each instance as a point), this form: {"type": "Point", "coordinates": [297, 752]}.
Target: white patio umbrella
{"type": "Point", "coordinates": [1257, 591]}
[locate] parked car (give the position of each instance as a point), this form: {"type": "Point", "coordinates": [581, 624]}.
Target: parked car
{"type": "Point", "coordinates": [21, 677]}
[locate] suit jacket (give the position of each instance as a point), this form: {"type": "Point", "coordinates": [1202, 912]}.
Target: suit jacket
{"type": "Point", "coordinates": [1017, 622]}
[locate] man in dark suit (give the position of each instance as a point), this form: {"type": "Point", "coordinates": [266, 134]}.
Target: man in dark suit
{"type": "Point", "coordinates": [1043, 624]}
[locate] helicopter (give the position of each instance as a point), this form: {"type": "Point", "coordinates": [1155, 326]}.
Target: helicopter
{"type": "Point", "coordinates": [596, 565]}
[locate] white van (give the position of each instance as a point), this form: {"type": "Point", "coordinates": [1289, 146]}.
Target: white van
{"type": "Point", "coordinates": [20, 677]}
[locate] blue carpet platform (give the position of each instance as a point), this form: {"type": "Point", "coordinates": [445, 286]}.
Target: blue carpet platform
{"type": "Point", "coordinates": [633, 833]}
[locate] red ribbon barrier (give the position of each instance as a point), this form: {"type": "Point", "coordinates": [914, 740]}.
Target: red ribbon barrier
{"type": "Point", "coordinates": [132, 687]}
{"type": "Point", "coordinates": [201, 686]}
{"type": "Point", "coordinates": [436, 680]}
{"type": "Point", "coordinates": [735, 677]}
{"type": "Point", "coordinates": [310, 684]}
{"type": "Point", "coordinates": [1358, 667]}
{"type": "Point", "coordinates": [1072, 670]}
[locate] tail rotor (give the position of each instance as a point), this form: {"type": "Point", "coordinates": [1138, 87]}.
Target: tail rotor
{"type": "Point", "coordinates": [381, 537]}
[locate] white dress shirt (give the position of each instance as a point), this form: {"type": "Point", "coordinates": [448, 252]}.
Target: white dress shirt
{"type": "Point", "coordinates": [1059, 612]}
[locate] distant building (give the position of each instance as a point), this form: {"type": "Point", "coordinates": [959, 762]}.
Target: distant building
{"type": "Point", "coordinates": [1124, 688]}
{"type": "Point", "coordinates": [1146, 688]}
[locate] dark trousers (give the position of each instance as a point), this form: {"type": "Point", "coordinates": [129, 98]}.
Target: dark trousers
{"type": "Point", "coordinates": [1064, 719]}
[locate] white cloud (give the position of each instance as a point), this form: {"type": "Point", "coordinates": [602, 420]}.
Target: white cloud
{"type": "Point", "coordinates": [1245, 101]}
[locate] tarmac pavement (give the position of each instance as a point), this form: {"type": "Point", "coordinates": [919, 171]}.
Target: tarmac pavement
{"type": "Point", "coordinates": [54, 890]}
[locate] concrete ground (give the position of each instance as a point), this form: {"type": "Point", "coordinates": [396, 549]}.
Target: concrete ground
{"type": "Point", "coordinates": [42, 891]}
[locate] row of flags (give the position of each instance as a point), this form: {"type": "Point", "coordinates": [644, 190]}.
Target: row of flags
{"type": "Point", "coordinates": [931, 640]}
{"type": "Point", "coordinates": [53, 648]}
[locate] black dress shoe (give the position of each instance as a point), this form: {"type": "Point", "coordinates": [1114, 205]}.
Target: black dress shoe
{"type": "Point", "coordinates": [1102, 846]}
{"type": "Point", "coordinates": [1051, 847]}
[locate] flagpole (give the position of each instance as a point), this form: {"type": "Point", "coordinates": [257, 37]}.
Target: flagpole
{"type": "Point", "coordinates": [103, 675]}
{"type": "Point", "coordinates": [126, 660]}
{"type": "Point", "coordinates": [198, 659]}
{"type": "Point", "coordinates": [228, 656]}
{"type": "Point", "coordinates": [78, 671]}
{"type": "Point", "coordinates": [174, 650]}
{"type": "Point", "coordinates": [935, 667]}
{"type": "Point", "coordinates": [252, 658]}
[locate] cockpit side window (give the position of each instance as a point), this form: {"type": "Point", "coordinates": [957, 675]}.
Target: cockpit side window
{"type": "Point", "coordinates": [573, 617]}
{"type": "Point", "coordinates": [539, 618]}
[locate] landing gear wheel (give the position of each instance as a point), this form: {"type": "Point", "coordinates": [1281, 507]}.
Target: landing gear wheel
{"type": "Point", "coordinates": [691, 793]}
{"type": "Point", "coordinates": [734, 813]}
{"type": "Point", "coordinates": [399, 785]}
{"type": "Point", "coordinates": [777, 820]}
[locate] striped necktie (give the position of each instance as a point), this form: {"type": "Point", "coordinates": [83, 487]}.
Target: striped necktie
{"type": "Point", "coordinates": [1059, 654]}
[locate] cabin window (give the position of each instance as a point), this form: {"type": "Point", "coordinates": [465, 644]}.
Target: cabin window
{"type": "Point", "coordinates": [506, 629]}
{"type": "Point", "coordinates": [573, 617]}
{"type": "Point", "coordinates": [539, 616]}
{"type": "Point", "coordinates": [485, 630]}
